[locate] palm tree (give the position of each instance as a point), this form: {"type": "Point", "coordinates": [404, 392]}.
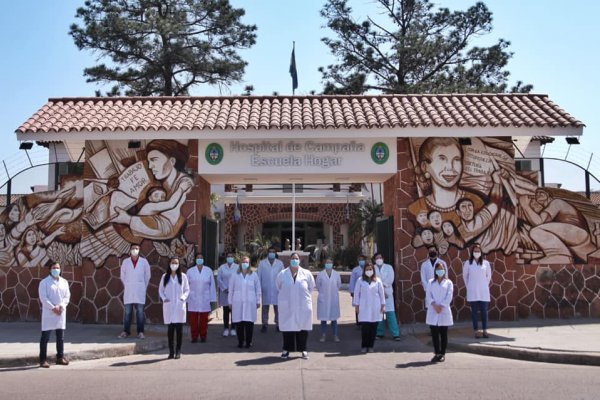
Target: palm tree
{"type": "Point", "coordinates": [364, 221]}
{"type": "Point", "coordinates": [260, 245]}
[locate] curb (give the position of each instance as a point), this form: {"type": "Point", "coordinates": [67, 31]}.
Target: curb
{"type": "Point", "coordinates": [120, 350]}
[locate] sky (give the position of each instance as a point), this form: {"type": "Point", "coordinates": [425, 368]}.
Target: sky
{"type": "Point", "coordinates": [555, 46]}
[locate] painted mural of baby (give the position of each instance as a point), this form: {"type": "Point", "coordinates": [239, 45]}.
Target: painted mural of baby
{"type": "Point", "coordinates": [157, 196]}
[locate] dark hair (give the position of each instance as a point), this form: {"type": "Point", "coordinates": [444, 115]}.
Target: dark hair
{"type": "Point", "coordinates": [168, 274]}
{"type": "Point", "coordinates": [272, 250]}
{"type": "Point", "coordinates": [431, 212]}
{"type": "Point", "coordinates": [361, 257]}
{"type": "Point", "coordinates": [431, 143]}
{"type": "Point", "coordinates": [365, 277]}
{"type": "Point", "coordinates": [50, 263]}
{"type": "Point", "coordinates": [454, 230]}
{"type": "Point", "coordinates": [463, 200]}
{"type": "Point", "coordinates": [480, 261]}
{"type": "Point", "coordinates": [293, 254]}
{"type": "Point", "coordinates": [171, 148]}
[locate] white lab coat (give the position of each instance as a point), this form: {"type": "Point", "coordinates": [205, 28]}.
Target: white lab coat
{"type": "Point", "coordinates": [177, 295]}
{"type": "Point", "coordinates": [428, 272]}
{"type": "Point", "coordinates": [328, 301]}
{"type": "Point", "coordinates": [369, 297]}
{"type": "Point", "coordinates": [223, 276]}
{"type": "Point", "coordinates": [203, 289]}
{"type": "Point", "coordinates": [477, 280]}
{"type": "Point", "coordinates": [54, 292]}
{"type": "Point", "coordinates": [356, 273]}
{"type": "Point", "coordinates": [135, 280]}
{"type": "Point", "coordinates": [295, 300]}
{"type": "Point", "coordinates": [386, 274]}
{"type": "Point", "coordinates": [267, 274]}
{"type": "Point", "coordinates": [244, 296]}
{"type": "Point", "coordinates": [441, 294]}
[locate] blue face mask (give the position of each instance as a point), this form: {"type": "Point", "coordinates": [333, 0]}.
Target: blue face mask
{"type": "Point", "coordinates": [361, 263]}
{"type": "Point", "coordinates": [271, 256]}
{"type": "Point", "coordinates": [245, 266]}
{"type": "Point", "coordinates": [440, 272]}
{"type": "Point", "coordinates": [294, 263]}
{"type": "Point", "coordinates": [55, 272]}
{"type": "Point", "coordinates": [199, 261]}
{"type": "Point", "coordinates": [229, 260]}
{"type": "Point", "coordinates": [329, 265]}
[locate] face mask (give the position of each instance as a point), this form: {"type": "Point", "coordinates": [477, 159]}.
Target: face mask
{"type": "Point", "coordinates": [55, 272]}
{"type": "Point", "coordinates": [229, 260]}
{"type": "Point", "coordinates": [294, 263]}
{"type": "Point", "coordinates": [432, 254]}
{"type": "Point", "coordinates": [329, 265]}
{"type": "Point", "coordinates": [379, 261]}
{"type": "Point", "coordinates": [440, 272]}
{"type": "Point", "coordinates": [361, 263]}
{"type": "Point", "coordinates": [271, 256]}
{"type": "Point", "coordinates": [135, 252]}
{"type": "Point", "coordinates": [174, 267]}
{"type": "Point", "coordinates": [369, 273]}
{"type": "Point", "coordinates": [199, 261]}
{"type": "Point", "coordinates": [476, 255]}
{"type": "Point", "coordinates": [245, 266]}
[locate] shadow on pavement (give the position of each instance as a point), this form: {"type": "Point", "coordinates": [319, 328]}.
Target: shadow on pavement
{"type": "Point", "coordinates": [140, 362]}
{"type": "Point", "coordinates": [270, 360]}
{"type": "Point", "coordinates": [415, 364]}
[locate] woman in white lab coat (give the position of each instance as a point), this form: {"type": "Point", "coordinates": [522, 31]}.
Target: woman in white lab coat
{"type": "Point", "coordinates": [328, 284]}
{"type": "Point", "coordinates": [202, 299]}
{"type": "Point", "coordinates": [174, 290]}
{"type": "Point", "coordinates": [439, 316]}
{"type": "Point", "coordinates": [54, 297]}
{"type": "Point", "coordinates": [223, 276]}
{"type": "Point", "coordinates": [295, 285]}
{"type": "Point", "coordinates": [477, 274]}
{"type": "Point", "coordinates": [244, 299]}
{"type": "Point", "coordinates": [268, 269]}
{"type": "Point", "coordinates": [369, 301]}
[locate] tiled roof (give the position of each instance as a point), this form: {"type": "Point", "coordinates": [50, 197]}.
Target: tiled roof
{"type": "Point", "coordinates": [297, 112]}
{"type": "Point", "coordinates": [543, 139]}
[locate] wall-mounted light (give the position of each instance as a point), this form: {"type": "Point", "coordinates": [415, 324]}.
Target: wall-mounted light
{"type": "Point", "coordinates": [26, 146]}
{"type": "Point", "coordinates": [134, 144]}
{"type": "Point", "coordinates": [572, 140]}
{"type": "Point", "coordinates": [464, 141]}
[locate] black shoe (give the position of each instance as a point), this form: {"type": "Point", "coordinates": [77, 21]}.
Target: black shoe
{"type": "Point", "coordinates": [171, 356]}
{"type": "Point", "coordinates": [263, 329]}
{"type": "Point", "coordinates": [278, 328]}
{"type": "Point", "coordinates": [195, 340]}
{"type": "Point", "coordinates": [240, 345]}
{"type": "Point", "coordinates": [435, 359]}
{"type": "Point", "coordinates": [203, 340]}
{"type": "Point", "coordinates": [441, 358]}
{"type": "Point", "coordinates": [248, 345]}
{"type": "Point", "coordinates": [178, 355]}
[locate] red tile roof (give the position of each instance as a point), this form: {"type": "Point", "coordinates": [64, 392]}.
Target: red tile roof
{"type": "Point", "coordinates": [297, 112]}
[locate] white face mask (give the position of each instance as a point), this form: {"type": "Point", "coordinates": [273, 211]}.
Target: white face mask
{"type": "Point", "coordinates": [369, 273]}
{"type": "Point", "coordinates": [476, 255]}
{"type": "Point", "coordinates": [174, 267]}
{"type": "Point", "coordinates": [135, 252]}
{"type": "Point", "coordinates": [379, 261]}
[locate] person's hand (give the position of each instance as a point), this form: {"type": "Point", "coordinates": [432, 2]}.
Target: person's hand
{"type": "Point", "coordinates": [356, 308]}
{"type": "Point", "coordinates": [122, 217]}
{"type": "Point", "coordinates": [186, 185]}
{"type": "Point", "coordinates": [438, 308]}
{"type": "Point", "coordinates": [56, 310]}
{"type": "Point", "coordinates": [383, 309]}
{"type": "Point", "coordinates": [182, 298]}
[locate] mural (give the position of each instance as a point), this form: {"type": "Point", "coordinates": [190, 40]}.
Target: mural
{"type": "Point", "coordinates": [472, 193]}
{"type": "Point", "coordinates": [135, 194]}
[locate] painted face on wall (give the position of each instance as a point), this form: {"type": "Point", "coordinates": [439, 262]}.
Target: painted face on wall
{"type": "Point", "coordinates": [443, 247]}
{"type": "Point", "coordinates": [31, 238]}
{"type": "Point", "coordinates": [422, 217]}
{"type": "Point", "coordinates": [160, 164]}
{"type": "Point", "coordinates": [542, 197]}
{"type": "Point", "coordinates": [447, 228]}
{"type": "Point", "coordinates": [2, 232]}
{"type": "Point", "coordinates": [14, 214]}
{"type": "Point", "coordinates": [465, 210]}
{"type": "Point", "coordinates": [445, 167]}
{"type": "Point", "coordinates": [435, 219]}
{"type": "Point", "coordinates": [427, 236]}
{"type": "Point", "coordinates": [157, 196]}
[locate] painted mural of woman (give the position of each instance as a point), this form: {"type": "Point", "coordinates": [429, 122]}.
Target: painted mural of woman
{"type": "Point", "coordinates": [32, 250]}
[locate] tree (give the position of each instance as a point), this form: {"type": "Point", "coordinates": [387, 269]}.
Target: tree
{"type": "Point", "coordinates": [412, 48]}
{"type": "Point", "coordinates": [163, 47]}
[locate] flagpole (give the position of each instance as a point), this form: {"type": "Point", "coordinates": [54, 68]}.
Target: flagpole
{"type": "Point", "coordinates": [293, 217]}
{"type": "Point", "coordinates": [294, 51]}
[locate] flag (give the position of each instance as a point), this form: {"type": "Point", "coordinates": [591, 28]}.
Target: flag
{"type": "Point", "coordinates": [293, 70]}
{"type": "Point", "coordinates": [237, 213]}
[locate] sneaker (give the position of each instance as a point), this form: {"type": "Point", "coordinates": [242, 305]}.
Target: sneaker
{"type": "Point", "coordinates": [397, 338]}
{"type": "Point", "coordinates": [323, 337]}
{"type": "Point", "coordinates": [305, 355]}
{"type": "Point", "coordinates": [225, 332]}
{"type": "Point", "coordinates": [379, 337]}
{"type": "Point", "coordinates": [232, 332]}
{"type": "Point", "coordinates": [171, 356]}
{"type": "Point", "coordinates": [177, 355]}
{"type": "Point", "coordinates": [435, 359]}
{"type": "Point", "coordinates": [249, 345]}
{"type": "Point", "coordinates": [441, 358]}
{"type": "Point", "coordinates": [141, 335]}
{"type": "Point", "coordinates": [203, 340]}
{"type": "Point", "coordinates": [263, 329]}
{"type": "Point", "coordinates": [363, 350]}
{"type": "Point", "coordinates": [123, 335]}
{"type": "Point", "coordinates": [370, 350]}
{"type": "Point", "coordinates": [485, 335]}
{"type": "Point", "coordinates": [336, 339]}
{"type": "Point", "coordinates": [285, 354]}
{"type": "Point", "coordinates": [44, 364]}
{"type": "Point", "coordinates": [62, 361]}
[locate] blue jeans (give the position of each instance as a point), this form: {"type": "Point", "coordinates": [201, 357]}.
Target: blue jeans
{"type": "Point", "coordinates": [334, 327]}
{"type": "Point", "coordinates": [60, 344]}
{"type": "Point", "coordinates": [139, 318]}
{"type": "Point", "coordinates": [390, 317]}
{"type": "Point", "coordinates": [479, 306]}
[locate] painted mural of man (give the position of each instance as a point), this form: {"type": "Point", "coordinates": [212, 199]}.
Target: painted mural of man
{"type": "Point", "coordinates": [558, 229]}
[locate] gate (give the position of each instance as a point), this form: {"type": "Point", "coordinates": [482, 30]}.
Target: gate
{"type": "Point", "coordinates": [210, 235]}
{"type": "Point", "coordinates": [384, 234]}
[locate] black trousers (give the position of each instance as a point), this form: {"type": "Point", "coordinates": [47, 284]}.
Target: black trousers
{"type": "Point", "coordinates": [175, 329]}
{"type": "Point", "coordinates": [368, 333]}
{"type": "Point", "coordinates": [227, 317]}
{"type": "Point", "coordinates": [245, 331]}
{"type": "Point", "coordinates": [295, 341]}
{"type": "Point", "coordinates": [439, 336]}
{"type": "Point", "coordinates": [60, 344]}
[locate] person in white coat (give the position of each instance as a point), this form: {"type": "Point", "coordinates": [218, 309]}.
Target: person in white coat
{"type": "Point", "coordinates": [268, 269]}
{"type": "Point", "coordinates": [439, 316]}
{"type": "Point", "coordinates": [385, 272]}
{"type": "Point", "coordinates": [369, 303]}
{"type": "Point", "coordinates": [223, 276]}
{"type": "Point", "coordinates": [428, 267]}
{"type": "Point", "coordinates": [295, 285]}
{"type": "Point", "coordinates": [174, 290]}
{"type": "Point", "coordinates": [135, 275]}
{"type": "Point", "coordinates": [356, 273]}
{"type": "Point", "coordinates": [477, 274]}
{"type": "Point", "coordinates": [54, 294]}
{"type": "Point", "coordinates": [328, 284]}
{"type": "Point", "coordinates": [244, 300]}
{"type": "Point", "coordinates": [202, 299]}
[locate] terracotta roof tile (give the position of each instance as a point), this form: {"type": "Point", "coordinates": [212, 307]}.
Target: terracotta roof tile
{"type": "Point", "coordinates": [297, 112]}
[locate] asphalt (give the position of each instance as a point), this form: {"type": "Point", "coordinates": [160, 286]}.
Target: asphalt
{"type": "Point", "coordinates": [573, 341]}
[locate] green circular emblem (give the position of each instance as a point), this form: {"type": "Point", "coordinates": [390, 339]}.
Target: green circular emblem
{"type": "Point", "coordinates": [214, 153]}
{"type": "Point", "coordinates": [380, 153]}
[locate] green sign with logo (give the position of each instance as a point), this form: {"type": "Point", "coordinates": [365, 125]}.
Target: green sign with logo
{"type": "Point", "coordinates": [380, 153]}
{"type": "Point", "coordinates": [214, 153]}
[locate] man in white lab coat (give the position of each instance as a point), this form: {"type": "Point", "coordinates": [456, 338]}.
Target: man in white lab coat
{"type": "Point", "coordinates": [428, 267]}
{"type": "Point", "coordinates": [224, 274]}
{"type": "Point", "coordinates": [328, 284]}
{"type": "Point", "coordinates": [268, 269]}
{"type": "Point", "coordinates": [135, 275]}
{"type": "Point", "coordinates": [54, 297]}
{"type": "Point", "coordinates": [386, 273]}
{"type": "Point", "coordinates": [295, 286]}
